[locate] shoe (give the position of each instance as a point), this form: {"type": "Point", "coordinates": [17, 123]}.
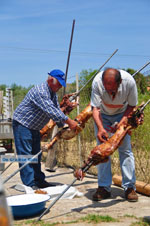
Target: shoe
{"type": "Point", "coordinates": [35, 187]}
{"type": "Point", "coordinates": [131, 195]}
{"type": "Point", "coordinates": [45, 184]}
{"type": "Point", "coordinates": [101, 193]}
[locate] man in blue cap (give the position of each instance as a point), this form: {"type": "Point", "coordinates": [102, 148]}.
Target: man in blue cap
{"type": "Point", "coordinates": [37, 108]}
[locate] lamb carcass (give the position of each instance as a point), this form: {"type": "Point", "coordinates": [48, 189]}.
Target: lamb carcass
{"type": "Point", "coordinates": [66, 133]}
{"type": "Point", "coordinates": [102, 152]}
{"type": "Point", "coordinates": [66, 106]}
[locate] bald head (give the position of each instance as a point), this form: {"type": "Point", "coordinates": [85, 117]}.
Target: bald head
{"type": "Point", "coordinates": [112, 74]}
{"type": "Point", "coordinates": [111, 80]}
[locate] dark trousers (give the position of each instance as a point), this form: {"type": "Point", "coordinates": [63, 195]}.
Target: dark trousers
{"type": "Point", "coordinates": [27, 142]}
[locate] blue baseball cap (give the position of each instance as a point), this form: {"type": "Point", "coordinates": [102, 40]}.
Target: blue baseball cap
{"type": "Point", "coordinates": [59, 75]}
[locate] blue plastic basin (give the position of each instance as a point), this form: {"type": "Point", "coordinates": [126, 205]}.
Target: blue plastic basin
{"type": "Point", "coordinates": [27, 205]}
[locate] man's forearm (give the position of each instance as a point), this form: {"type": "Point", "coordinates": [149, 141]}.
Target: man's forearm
{"type": "Point", "coordinates": [126, 114]}
{"type": "Point", "coordinates": [128, 110]}
{"type": "Point", "coordinates": [97, 117]}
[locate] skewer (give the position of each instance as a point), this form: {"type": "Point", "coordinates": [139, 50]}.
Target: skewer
{"type": "Point", "coordinates": [77, 94]}
{"type": "Point", "coordinates": [73, 97]}
{"type": "Point", "coordinates": [141, 68]}
{"type": "Point", "coordinates": [68, 59]}
{"type": "Point", "coordinates": [14, 173]}
{"type": "Point", "coordinates": [84, 169]}
{"type": "Point", "coordinates": [6, 168]}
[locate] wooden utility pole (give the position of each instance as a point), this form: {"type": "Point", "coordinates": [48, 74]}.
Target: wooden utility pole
{"type": "Point", "coordinates": [78, 112]}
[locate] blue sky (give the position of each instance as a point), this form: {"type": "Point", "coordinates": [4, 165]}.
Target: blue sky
{"type": "Point", "coordinates": [35, 37]}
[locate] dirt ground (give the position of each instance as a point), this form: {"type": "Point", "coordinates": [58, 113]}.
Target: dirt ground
{"type": "Point", "coordinates": [72, 210]}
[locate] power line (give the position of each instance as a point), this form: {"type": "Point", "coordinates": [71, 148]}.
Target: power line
{"type": "Point", "coordinates": [71, 77]}
{"type": "Point", "coordinates": [32, 49]}
{"type": "Point", "coordinates": [63, 51]}
{"type": "Point", "coordinates": [146, 72]}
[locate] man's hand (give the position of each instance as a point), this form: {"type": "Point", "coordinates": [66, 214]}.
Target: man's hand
{"type": "Point", "coordinates": [102, 135]}
{"type": "Point", "coordinates": [73, 125]}
{"type": "Point", "coordinates": [79, 174]}
{"type": "Point", "coordinates": [66, 105]}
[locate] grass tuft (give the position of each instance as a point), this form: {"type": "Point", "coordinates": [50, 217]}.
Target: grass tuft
{"type": "Point", "coordinates": [98, 218]}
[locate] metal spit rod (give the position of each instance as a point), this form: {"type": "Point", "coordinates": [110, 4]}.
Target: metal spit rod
{"type": "Point", "coordinates": [141, 68]}
{"type": "Point", "coordinates": [14, 173]}
{"type": "Point", "coordinates": [6, 168]}
{"type": "Point", "coordinates": [90, 163]}
{"type": "Point", "coordinates": [77, 94]}
{"type": "Point", "coordinates": [72, 98]}
{"type": "Point", "coordinates": [75, 97]}
{"type": "Point", "coordinates": [86, 167]}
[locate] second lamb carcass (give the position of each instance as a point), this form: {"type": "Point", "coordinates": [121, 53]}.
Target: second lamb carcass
{"type": "Point", "coordinates": [100, 153]}
{"type": "Point", "coordinates": [66, 106]}
{"type": "Point", "coordinates": [66, 133]}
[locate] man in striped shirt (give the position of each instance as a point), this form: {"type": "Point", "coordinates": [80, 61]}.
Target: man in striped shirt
{"type": "Point", "coordinates": [37, 108]}
{"type": "Point", "coordinates": [114, 95]}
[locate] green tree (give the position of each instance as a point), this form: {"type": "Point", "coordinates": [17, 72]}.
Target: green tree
{"type": "Point", "coordinates": [19, 93]}
{"type": "Point", "coordinates": [3, 88]}
{"type": "Point", "coordinates": [140, 81]}
{"type": "Point", "coordinates": [84, 78]}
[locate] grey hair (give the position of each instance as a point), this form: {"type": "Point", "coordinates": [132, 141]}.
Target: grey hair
{"type": "Point", "coordinates": [54, 79]}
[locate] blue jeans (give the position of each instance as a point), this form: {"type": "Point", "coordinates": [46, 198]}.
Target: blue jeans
{"type": "Point", "coordinates": [125, 156]}
{"type": "Point", "coordinates": [27, 142]}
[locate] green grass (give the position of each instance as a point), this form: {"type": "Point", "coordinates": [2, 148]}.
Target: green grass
{"type": "Point", "coordinates": [34, 222]}
{"type": "Point", "coordinates": [130, 216]}
{"type": "Point", "coordinates": [90, 218]}
{"type": "Point", "coordinates": [70, 222]}
{"type": "Point", "coordinates": [141, 222]}
{"type": "Point", "coordinates": [98, 218]}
